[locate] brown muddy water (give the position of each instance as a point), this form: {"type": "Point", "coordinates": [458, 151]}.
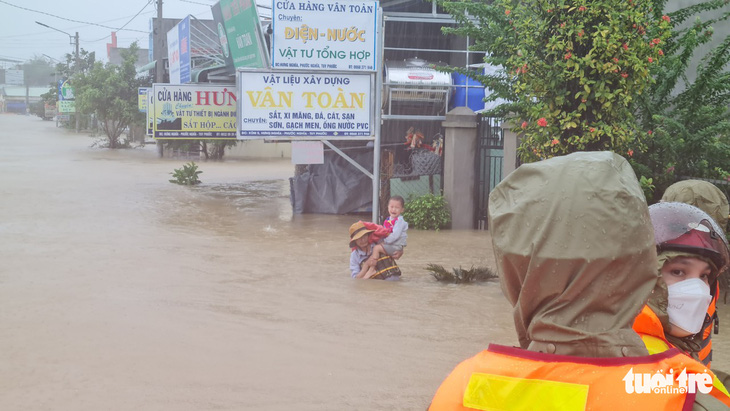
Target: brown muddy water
{"type": "Point", "coordinates": [121, 291]}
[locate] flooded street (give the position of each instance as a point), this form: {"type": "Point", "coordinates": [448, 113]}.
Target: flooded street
{"type": "Point", "coordinates": [121, 291]}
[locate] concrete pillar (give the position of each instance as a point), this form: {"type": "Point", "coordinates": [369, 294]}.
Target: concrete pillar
{"type": "Point", "coordinates": [511, 142]}
{"type": "Point", "coordinates": [460, 147]}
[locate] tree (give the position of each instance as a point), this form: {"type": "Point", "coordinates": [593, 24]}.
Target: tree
{"type": "Point", "coordinates": [687, 123]}
{"type": "Point", "coordinates": [216, 149]}
{"type": "Point", "coordinates": [87, 60]}
{"type": "Point", "coordinates": [66, 69]}
{"type": "Point", "coordinates": [110, 92]}
{"type": "Point", "coordinates": [37, 72]}
{"type": "Point", "coordinates": [572, 68]}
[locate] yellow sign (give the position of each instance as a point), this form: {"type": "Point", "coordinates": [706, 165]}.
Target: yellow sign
{"type": "Point", "coordinates": [67, 106]}
{"type": "Point", "coordinates": [142, 99]}
{"type": "Point", "coordinates": [193, 111]}
{"type": "Point", "coordinates": [294, 104]}
{"type": "Point", "coordinates": [150, 113]}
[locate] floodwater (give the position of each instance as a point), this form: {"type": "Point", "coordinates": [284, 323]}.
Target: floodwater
{"type": "Point", "coordinates": [119, 290]}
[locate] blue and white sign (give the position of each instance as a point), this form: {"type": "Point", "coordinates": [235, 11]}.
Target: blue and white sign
{"type": "Point", "coordinates": [178, 52]}
{"type": "Point", "coordinates": [66, 99]}
{"type": "Point", "coordinates": [325, 35]}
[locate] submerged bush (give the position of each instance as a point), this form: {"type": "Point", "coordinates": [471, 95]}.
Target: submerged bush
{"type": "Point", "coordinates": [187, 175]}
{"type": "Point", "coordinates": [460, 275]}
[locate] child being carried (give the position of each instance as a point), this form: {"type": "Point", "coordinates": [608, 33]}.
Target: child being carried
{"type": "Point", "coordinates": [396, 240]}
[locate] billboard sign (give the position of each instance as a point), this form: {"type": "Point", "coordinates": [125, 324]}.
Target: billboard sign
{"type": "Point", "coordinates": [67, 106]}
{"type": "Point", "coordinates": [240, 35]}
{"type": "Point", "coordinates": [222, 35]}
{"type": "Point", "coordinates": [142, 99]}
{"type": "Point", "coordinates": [324, 35]}
{"type": "Point", "coordinates": [14, 77]}
{"type": "Point", "coordinates": [193, 111]}
{"type": "Point", "coordinates": [178, 52]}
{"type": "Point", "coordinates": [150, 112]}
{"type": "Point", "coordinates": [65, 90]}
{"type": "Point", "coordinates": [294, 104]}
{"type": "Point", "coordinates": [66, 99]}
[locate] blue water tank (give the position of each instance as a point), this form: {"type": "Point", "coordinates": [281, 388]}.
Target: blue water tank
{"type": "Point", "coordinates": [473, 97]}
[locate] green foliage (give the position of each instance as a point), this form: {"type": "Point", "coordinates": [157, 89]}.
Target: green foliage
{"type": "Point", "coordinates": [686, 121]}
{"type": "Point", "coordinates": [460, 275]}
{"type": "Point", "coordinates": [427, 212]}
{"type": "Point", "coordinates": [647, 186]}
{"type": "Point", "coordinates": [216, 149]}
{"type": "Point", "coordinates": [187, 175]}
{"type": "Point", "coordinates": [86, 62]}
{"type": "Point", "coordinates": [37, 109]}
{"type": "Point", "coordinates": [572, 68]}
{"type": "Point", "coordinates": [110, 91]}
{"type": "Point", "coordinates": [67, 69]}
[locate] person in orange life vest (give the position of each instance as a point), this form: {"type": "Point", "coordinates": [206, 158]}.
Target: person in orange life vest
{"type": "Point", "coordinates": [576, 257]}
{"type": "Point", "coordinates": [692, 251]}
{"type": "Point", "coordinates": [710, 199]}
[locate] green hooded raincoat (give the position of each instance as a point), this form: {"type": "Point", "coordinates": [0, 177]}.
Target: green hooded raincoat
{"type": "Point", "coordinates": [575, 248]}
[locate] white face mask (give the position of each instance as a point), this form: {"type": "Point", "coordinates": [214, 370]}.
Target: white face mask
{"type": "Point", "coordinates": [688, 302]}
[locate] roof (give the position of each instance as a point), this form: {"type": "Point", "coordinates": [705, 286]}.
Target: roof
{"type": "Point", "coordinates": [147, 67]}
{"type": "Point", "coordinates": [115, 56]}
{"type": "Point", "coordinates": [19, 91]}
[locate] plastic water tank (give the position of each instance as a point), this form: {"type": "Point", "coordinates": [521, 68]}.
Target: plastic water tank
{"type": "Point", "coordinates": [472, 97]}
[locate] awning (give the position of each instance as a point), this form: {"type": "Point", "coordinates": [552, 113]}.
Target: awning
{"type": "Point", "coordinates": [213, 71]}
{"type": "Point", "coordinates": [147, 67]}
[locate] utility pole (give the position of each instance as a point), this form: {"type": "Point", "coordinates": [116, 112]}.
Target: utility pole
{"type": "Point", "coordinates": [74, 40]}
{"type": "Point", "coordinates": [78, 69]}
{"type": "Point", "coordinates": [159, 65]}
{"type": "Point", "coordinates": [158, 43]}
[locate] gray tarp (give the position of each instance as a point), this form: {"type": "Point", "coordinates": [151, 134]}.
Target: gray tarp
{"type": "Point", "coordinates": [335, 187]}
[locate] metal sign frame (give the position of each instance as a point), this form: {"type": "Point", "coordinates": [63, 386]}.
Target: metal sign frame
{"type": "Point", "coordinates": [376, 87]}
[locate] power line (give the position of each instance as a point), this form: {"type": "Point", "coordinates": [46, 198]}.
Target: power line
{"type": "Point", "coordinates": [64, 18]}
{"type": "Point", "coordinates": [135, 16]}
{"type": "Point", "coordinates": [125, 24]}
{"type": "Point", "coordinates": [195, 2]}
{"type": "Point", "coordinates": [67, 28]}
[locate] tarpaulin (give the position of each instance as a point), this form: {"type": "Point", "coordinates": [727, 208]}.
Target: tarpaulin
{"type": "Point", "coordinates": [335, 187]}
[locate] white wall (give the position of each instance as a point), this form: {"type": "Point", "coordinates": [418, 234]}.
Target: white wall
{"type": "Point", "coordinates": [721, 30]}
{"type": "Point", "coordinates": [259, 149]}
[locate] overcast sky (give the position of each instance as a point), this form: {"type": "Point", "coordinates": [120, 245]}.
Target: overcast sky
{"type": "Point", "coordinates": [22, 39]}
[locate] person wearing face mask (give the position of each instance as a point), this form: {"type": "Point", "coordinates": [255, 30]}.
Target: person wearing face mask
{"type": "Point", "coordinates": [691, 251]}
{"type": "Point", "coordinates": [576, 258]}
{"type": "Point", "coordinates": [710, 199]}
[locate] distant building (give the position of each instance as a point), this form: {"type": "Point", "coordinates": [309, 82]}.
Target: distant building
{"type": "Point", "coordinates": [114, 53]}
{"type": "Point", "coordinates": [13, 98]}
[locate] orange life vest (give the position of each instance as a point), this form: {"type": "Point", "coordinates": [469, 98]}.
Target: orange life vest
{"type": "Point", "coordinates": [505, 378]}
{"type": "Point", "coordinates": [650, 329]}
{"type": "Point", "coordinates": [705, 353]}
